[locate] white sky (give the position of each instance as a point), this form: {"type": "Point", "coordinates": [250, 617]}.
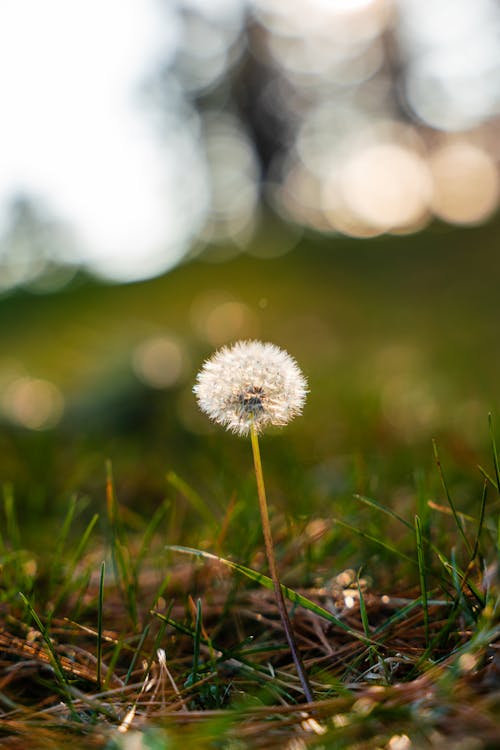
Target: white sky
{"type": "Point", "coordinates": [72, 131]}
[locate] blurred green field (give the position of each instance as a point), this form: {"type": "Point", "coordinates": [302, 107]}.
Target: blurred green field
{"type": "Point", "coordinates": [397, 336]}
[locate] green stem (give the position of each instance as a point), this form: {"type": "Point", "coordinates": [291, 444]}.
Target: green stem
{"type": "Point", "coordinates": [271, 560]}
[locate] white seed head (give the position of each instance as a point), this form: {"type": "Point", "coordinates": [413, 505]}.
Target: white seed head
{"type": "Point", "coordinates": [250, 383]}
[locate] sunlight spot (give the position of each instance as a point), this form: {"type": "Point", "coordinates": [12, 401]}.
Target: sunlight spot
{"type": "Point", "coordinates": [349, 601]}
{"type": "Point", "coordinates": [399, 742]}
{"type": "Point", "coordinates": [317, 528]}
{"type": "Point", "coordinates": [296, 743]}
{"type": "Point", "coordinates": [33, 403]}
{"type": "Point", "coordinates": [345, 578]}
{"type": "Point", "coordinates": [386, 185]}
{"type": "Point", "coordinates": [159, 362]}
{"type": "Point", "coordinates": [218, 318]}
{"type": "Point", "coordinates": [30, 568]}
{"type": "Point", "coordinates": [340, 720]}
{"type": "Point", "coordinates": [364, 706]}
{"type": "Point", "coordinates": [311, 725]}
{"type": "Point", "coordinates": [94, 158]}
{"type": "Point", "coordinates": [467, 662]}
{"type": "Point", "coordinates": [465, 183]}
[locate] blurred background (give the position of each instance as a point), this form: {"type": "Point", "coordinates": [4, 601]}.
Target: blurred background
{"type": "Point", "coordinates": [178, 174]}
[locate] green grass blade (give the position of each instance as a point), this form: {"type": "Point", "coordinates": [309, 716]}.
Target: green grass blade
{"type": "Point", "coordinates": [137, 652]}
{"type": "Point", "coordinates": [362, 610]}
{"type": "Point", "coordinates": [112, 664]}
{"type": "Point", "coordinates": [74, 562]}
{"type": "Point", "coordinates": [494, 449]}
{"type": "Point", "coordinates": [62, 537]}
{"type": "Point", "coordinates": [193, 677]}
{"type": "Point", "coordinates": [265, 581]}
{"type": "Point", "coordinates": [422, 576]}
{"type": "Point", "coordinates": [239, 653]}
{"type": "Point", "coordinates": [455, 573]}
{"type": "Point", "coordinates": [375, 540]}
{"type": "Point", "coordinates": [147, 537]}
{"type": "Point", "coordinates": [497, 472]}
{"type": "Point", "coordinates": [54, 658]}
{"type": "Point", "coordinates": [11, 524]}
{"type": "Point", "coordinates": [449, 498]}
{"type": "Point", "coordinates": [192, 497]}
{"type": "Point", "coordinates": [388, 511]}
{"type": "Point", "coordinates": [400, 614]}
{"type": "Point", "coordinates": [124, 577]}
{"type": "Point", "coordinates": [480, 523]}
{"type": "Point", "coordinates": [100, 604]}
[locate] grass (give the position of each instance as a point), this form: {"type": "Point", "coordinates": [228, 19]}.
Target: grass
{"type": "Point", "coordinates": [122, 640]}
{"type": "Point", "coordinates": [148, 619]}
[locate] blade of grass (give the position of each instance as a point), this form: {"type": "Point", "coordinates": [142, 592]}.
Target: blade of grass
{"type": "Point", "coordinates": [480, 522]}
{"type": "Point", "coordinates": [54, 658]}
{"type": "Point", "coordinates": [100, 603]}
{"type": "Point", "coordinates": [422, 576]}
{"type": "Point", "coordinates": [62, 537]}
{"type": "Point", "coordinates": [194, 676]}
{"type": "Point", "coordinates": [373, 654]}
{"type": "Point", "coordinates": [448, 566]}
{"type": "Point", "coordinates": [122, 566]}
{"type": "Point", "coordinates": [112, 664]}
{"type": "Point", "coordinates": [11, 524]}
{"type": "Point", "coordinates": [124, 577]}
{"type": "Point", "coordinates": [73, 563]}
{"type": "Point", "coordinates": [496, 463]}
{"type": "Point", "coordinates": [497, 472]}
{"type": "Point", "coordinates": [388, 511]}
{"type": "Point", "coordinates": [400, 614]}
{"type": "Point", "coordinates": [265, 581]}
{"type": "Point", "coordinates": [192, 497]}
{"type": "Point", "coordinates": [455, 572]}
{"type": "Point", "coordinates": [18, 579]}
{"type": "Point", "coordinates": [147, 537]}
{"type": "Point", "coordinates": [375, 540]}
{"type": "Point", "coordinates": [84, 584]}
{"type": "Point", "coordinates": [161, 590]}
{"type": "Point", "coordinates": [449, 498]}
{"type": "Point", "coordinates": [137, 651]}
{"type": "Point", "coordinates": [237, 653]}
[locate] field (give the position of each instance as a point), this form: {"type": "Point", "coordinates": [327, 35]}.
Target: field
{"type": "Point", "coordinates": [136, 607]}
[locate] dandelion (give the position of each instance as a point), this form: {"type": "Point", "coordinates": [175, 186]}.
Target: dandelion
{"type": "Point", "coordinates": [245, 388]}
{"type": "Point", "coordinates": [251, 385]}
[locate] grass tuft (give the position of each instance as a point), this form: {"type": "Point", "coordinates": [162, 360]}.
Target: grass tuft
{"type": "Point", "coordinates": [182, 645]}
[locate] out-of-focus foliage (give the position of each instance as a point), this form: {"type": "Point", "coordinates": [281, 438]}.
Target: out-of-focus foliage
{"type": "Point", "coordinates": [397, 338]}
{"type": "Point", "coordinates": [353, 117]}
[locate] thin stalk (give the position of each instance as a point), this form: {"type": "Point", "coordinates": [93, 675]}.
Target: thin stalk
{"type": "Point", "coordinates": [271, 561]}
{"type": "Point", "coordinates": [100, 605]}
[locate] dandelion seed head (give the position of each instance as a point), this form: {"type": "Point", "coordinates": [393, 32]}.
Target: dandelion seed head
{"type": "Point", "coordinates": [250, 383]}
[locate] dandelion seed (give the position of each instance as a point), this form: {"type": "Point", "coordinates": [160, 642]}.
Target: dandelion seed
{"type": "Point", "coordinates": [251, 384]}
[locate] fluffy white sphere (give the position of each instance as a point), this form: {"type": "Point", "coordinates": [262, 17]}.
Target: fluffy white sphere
{"type": "Point", "coordinates": [250, 383]}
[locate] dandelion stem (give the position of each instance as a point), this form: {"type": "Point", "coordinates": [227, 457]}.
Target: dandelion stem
{"type": "Point", "coordinates": [271, 560]}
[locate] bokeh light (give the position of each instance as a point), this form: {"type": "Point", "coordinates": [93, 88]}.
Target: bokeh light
{"type": "Point", "coordinates": [465, 183]}
{"type": "Point", "coordinates": [33, 403]}
{"type": "Point", "coordinates": [218, 317]}
{"type": "Point", "coordinates": [169, 144]}
{"type": "Point", "coordinates": [160, 361]}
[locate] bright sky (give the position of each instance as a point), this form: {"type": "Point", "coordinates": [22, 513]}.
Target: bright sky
{"type": "Point", "coordinates": [73, 133]}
